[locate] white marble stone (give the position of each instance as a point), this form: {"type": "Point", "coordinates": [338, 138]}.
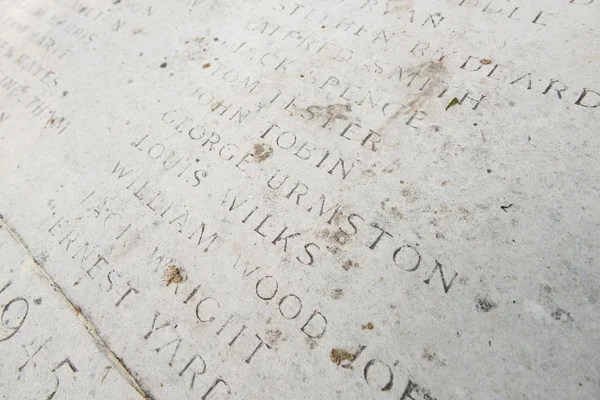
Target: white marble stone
{"type": "Point", "coordinates": [306, 200]}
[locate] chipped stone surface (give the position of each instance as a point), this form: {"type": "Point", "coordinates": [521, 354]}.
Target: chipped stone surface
{"type": "Point", "coordinates": [204, 199]}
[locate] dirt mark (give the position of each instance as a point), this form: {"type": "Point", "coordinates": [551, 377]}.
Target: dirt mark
{"type": "Point", "coordinates": [337, 294]}
{"type": "Point", "coordinates": [561, 315]}
{"type": "Point", "coordinates": [350, 264]}
{"type": "Point", "coordinates": [433, 357]}
{"type": "Point", "coordinates": [332, 111]}
{"type": "Point", "coordinates": [337, 356]}
{"type": "Point", "coordinates": [173, 275]}
{"type": "Point", "coordinates": [262, 152]}
{"type": "Point", "coordinates": [336, 238]}
{"type": "Point", "coordinates": [485, 305]}
{"type": "Point", "coordinates": [394, 210]}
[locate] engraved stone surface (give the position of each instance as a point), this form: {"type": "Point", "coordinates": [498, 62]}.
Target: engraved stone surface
{"type": "Point", "coordinates": [308, 199]}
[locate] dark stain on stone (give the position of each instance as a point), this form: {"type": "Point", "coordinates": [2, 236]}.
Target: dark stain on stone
{"type": "Point", "coordinates": [163, 65]}
{"type": "Point", "coordinates": [561, 315]}
{"type": "Point", "coordinates": [485, 305]}
{"type": "Point", "coordinates": [333, 249]}
{"type": "Point", "coordinates": [350, 264]}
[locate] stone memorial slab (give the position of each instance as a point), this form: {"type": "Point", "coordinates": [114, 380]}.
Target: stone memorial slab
{"type": "Point", "coordinates": [333, 199]}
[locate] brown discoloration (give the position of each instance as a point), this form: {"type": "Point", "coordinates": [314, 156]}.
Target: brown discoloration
{"type": "Point", "coordinates": [337, 356]}
{"type": "Point", "coordinates": [336, 237]}
{"type": "Point", "coordinates": [173, 275]}
{"type": "Point", "coordinates": [262, 152]}
{"type": "Point", "coordinates": [206, 65]}
{"type": "Point", "coordinates": [485, 61]}
{"type": "Point", "coordinates": [368, 326]}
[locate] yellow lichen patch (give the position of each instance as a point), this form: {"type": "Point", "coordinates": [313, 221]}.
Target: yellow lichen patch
{"type": "Point", "coordinates": [368, 326]}
{"type": "Point", "coordinates": [485, 61]}
{"type": "Point", "coordinates": [337, 356]}
{"type": "Point", "coordinates": [173, 275]}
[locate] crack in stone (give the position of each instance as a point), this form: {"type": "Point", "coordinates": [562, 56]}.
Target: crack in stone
{"type": "Point", "coordinates": [100, 343]}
